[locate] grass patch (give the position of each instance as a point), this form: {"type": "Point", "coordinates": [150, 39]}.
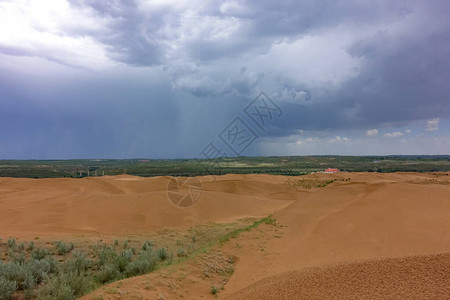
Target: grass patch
{"type": "Point", "coordinates": [57, 271]}
{"type": "Point", "coordinates": [430, 181]}
{"type": "Point", "coordinates": [310, 183]}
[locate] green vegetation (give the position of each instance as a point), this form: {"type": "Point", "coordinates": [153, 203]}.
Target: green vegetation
{"type": "Point", "coordinates": [7, 287]}
{"type": "Point", "coordinates": [63, 248]}
{"type": "Point", "coordinates": [278, 165]}
{"type": "Point", "coordinates": [61, 270]}
{"type": "Point", "coordinates": [213, 290]}
{"type": "Point", "coordinates": [312, 183]}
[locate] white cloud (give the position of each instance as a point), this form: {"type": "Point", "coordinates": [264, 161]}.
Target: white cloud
{"type": "Point", "coordinates": [310, 140]}
{"type": "Point", "coordinates": [433, 124]}
{"type": "Point", "coordinates": [40, 29]}
{"type": "Point", "coordinates": [338, 139]}
{"type": "Point", "coordinates": [372, 133]}
{"type": "Point", "coordinates": [360, 146]}
{"type": "Point", "coordinates": [408, 131]}
{"type": "Point", "coordinates": [394, 134]}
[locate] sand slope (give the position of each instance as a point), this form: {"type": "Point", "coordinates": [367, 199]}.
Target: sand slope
{"type": "Point", "coordinates": [116, 205]}
{"type": "Point", "coordinates": [417, 277]}
{"type": "Point", "coordinates": [371, 216]}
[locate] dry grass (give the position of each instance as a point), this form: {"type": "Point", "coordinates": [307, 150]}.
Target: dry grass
{"type": "Point", "coordinates": [310, 183]}
{"type": "Point", "coordinates": [430, 181]}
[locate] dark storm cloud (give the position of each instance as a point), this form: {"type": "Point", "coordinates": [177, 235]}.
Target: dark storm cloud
{"type": "Point", "coordinates": [211, 58]}
{"type": "Point", "coordinates": [132, 35]}
{"type": "Point", "coordinates": [403, 78]}
{"type": "Point", "coordinates": [139, 37]}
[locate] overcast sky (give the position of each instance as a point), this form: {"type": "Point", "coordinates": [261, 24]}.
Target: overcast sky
{"type": "Point", "coordinates": [164, 78]}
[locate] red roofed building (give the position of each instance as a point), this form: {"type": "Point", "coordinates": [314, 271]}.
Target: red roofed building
{"type": "Point", "coordinates": [330, 170]}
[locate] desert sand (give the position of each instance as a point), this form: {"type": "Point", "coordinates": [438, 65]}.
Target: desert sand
{"type": "Point", "coordinates": [367, 235]}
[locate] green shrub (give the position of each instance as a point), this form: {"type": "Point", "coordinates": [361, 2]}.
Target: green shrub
{"type": "Point", "coordinates": [11, 243]}
{"type": "Point", "coordinates": [162, 254]}
{"type": "Point", "coordinates": [39, 269]}
{"type": "Point", "coordinates": [17, 273]}
{"type": "Point", "coordinates": [68, 285]}
{"type": "Point", "coordinates": [147, 246]}
{"type": "Point", "coordinates": [28, 282]}
{"type": "Point", "coordinates": [7, 288]}
{"type": "Point", "coordinates": [30, 246]}
{"type": "Point", "coordinates": [213, 290]}
{"type": "Point", "coordinates": [106, 255]}
{"type": "Point", "coordinates": [63, 248]}
{"type": "Point", "coordinates": [124, 259]}
{"type": "Point", "coordinates": [270, 221]}
{"type": "Point", "coordinates": [39, 253]}
{"type": "Point", "coordinates": [60, 292]}
{"type": "Point", "coordinates": [144, 263]}
{"type": "Point", "coordinates": [77, 264]}
{"type": "Point", "coordinates": [17, 258]}
{"type": "Point", "coordinates": [107, 273]}
{"type": "Point", "coordinates": [180, 252]}
{"type": "Point", "coordinates": [60, 287]}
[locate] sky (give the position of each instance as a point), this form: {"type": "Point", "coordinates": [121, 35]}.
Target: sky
{"type": "Point", "coordinates": [192, 79]}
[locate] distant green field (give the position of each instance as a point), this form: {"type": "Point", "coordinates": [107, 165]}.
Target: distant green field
{"type": "Point", "coordinates": [282, 165]}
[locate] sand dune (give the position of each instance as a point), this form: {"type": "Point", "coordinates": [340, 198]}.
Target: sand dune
{"type": "Point", "coordinates": [113, 205]}
{"type": "Point", "coordinates": [416, 277]}
{"type": "Point", "coordinates": [388, 221]}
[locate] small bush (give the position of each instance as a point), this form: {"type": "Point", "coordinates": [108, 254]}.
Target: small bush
{"type": "Point", "coordinates": [124, 259]}
{"type": "Point", "coordinates": [61, 292]}
{"type": "Point", "coordinates": [7, 288]}
{"type": "Point", "coordinates": [147, 246]}
{"type": "Point", "coordinates": [40, 269]}
{"type": "Point", "coordinates": [66, 286]}
{"type": "Point", "coordinates": [30, 246]}
{"type": "Point", "coordinates": [39, 253]}
{"type": "Point", "coordinates": [78, 264]}
{"type": "Point", "coordinates": [105, 255]}
{"type": "Point", "coordinates": [213, 290]}
{"type": "Point", "coordinates": [181, 253]}
{"type": "Point", "coordinates": [270, 221]}
{"type": "Point", "coordinates": [145, 263]}
{"type": "Point", "coordinates": [107, 273]}
{"type": "Point", "coordinates": [11, 243]}
{"type": "Point", "coordinates": [63, 248]}
{"type": "Point", "coordinates": [17, 273]}
{"type": "Point", "coordinates": [162, 254]}
{"type": "Point", "coordinates": [17, 258]}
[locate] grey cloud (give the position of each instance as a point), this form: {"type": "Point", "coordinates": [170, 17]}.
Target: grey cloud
{"type": "Point", "coordinates": [401, 77]}
{"type": "Point", "coordinates": [132, 36]}
{"type": "Point", "coordinates": [203, 83]}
